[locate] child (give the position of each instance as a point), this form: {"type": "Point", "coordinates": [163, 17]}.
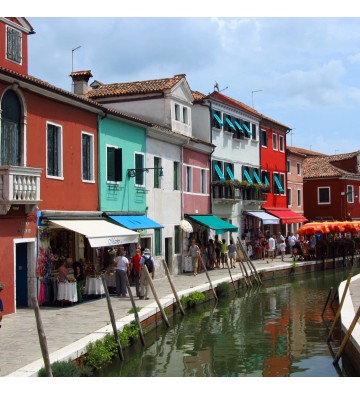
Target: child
{"type": "Point", "coordinates": [282, 249]}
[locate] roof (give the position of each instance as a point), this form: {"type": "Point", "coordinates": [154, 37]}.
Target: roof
{"type": "Point", "coordinates": [328, 166]}
{"type": "Point", "coordinates": [303, 151]}
{"type": "Point", "coordinates": [134, 88]}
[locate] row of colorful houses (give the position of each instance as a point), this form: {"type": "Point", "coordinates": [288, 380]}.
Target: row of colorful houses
{"type": "Point", "coordinates": [127, 164]}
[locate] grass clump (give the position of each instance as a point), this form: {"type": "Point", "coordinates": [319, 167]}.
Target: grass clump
{"type": "Point", "coordinates": [192, 299]}
{"type": "Point", "coordinates": [67, 369]}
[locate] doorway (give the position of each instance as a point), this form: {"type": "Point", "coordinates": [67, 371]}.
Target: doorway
{"type": "Point", "coordinates": [168, 251]}
{"type": "Point", "coordinates": [21, 262]}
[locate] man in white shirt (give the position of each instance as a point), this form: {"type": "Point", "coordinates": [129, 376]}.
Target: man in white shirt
{"type": "Point", "coordinates": [272, 246]}
{"type": "Point", "coordinates": [291, 241]}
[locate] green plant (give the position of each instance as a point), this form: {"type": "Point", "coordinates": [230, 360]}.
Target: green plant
{"type": "Point", "coordinates": [192, 299]}
{"type": "Point", "coordinates": [129, 334]}
{"type": "Point", "coordinates": [222, 289]}
{"type": "Point", "coordinates": [293, 264]}
{"type": "Point", "coordinates": [97, 354]}
{"type": "Point", "coordinates": [131, 311]}
{"type": "Point", "coordinates": [66, 369]}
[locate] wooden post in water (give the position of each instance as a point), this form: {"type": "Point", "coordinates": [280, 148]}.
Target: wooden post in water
{"type": "Point", "coordinates": [347, 336]}
{"type": "Point", "coordinates": [135, 310]}
{"type": "Point", "coordinates": [208, 277]}
{"type": "Point", "coordinates": [227, 264]}
{"type": "Point", "coordinates": [147, 274]}
{"type": "Point", "coordinates": [112, 318]}
{"type": "Point", "coordinates": [42, 337]}
{"type": "Point", "coordinates": [340, 307]}
{"type": "Point", "coordinates": [173, 287]}
{"type": "Point", "coordinates": [327, 300]}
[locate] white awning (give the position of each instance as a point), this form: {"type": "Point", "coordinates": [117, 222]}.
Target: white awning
{"type": "Point", "coordinates": [267, 219]}
{"type": "Point", "coordinates": [99, 232]}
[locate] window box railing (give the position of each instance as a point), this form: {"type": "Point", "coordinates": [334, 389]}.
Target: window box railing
{"type": "Point", "coordinates": [19, 186]}
{"type": "Point", "coordinates": [239, 190]}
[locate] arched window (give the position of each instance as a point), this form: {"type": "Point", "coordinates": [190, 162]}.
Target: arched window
{"type": "Point", "coordinates": [10, 153]}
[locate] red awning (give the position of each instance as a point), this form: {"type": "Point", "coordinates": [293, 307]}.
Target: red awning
{"type": "Point", "coordinates": [287, 216]}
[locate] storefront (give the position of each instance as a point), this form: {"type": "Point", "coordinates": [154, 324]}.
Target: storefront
{"type": "Point", "coordinates": [258, 223]}
{"type": "Point", "coordinates": [88, 238]}
{"type": "Point", "coordinates": [290, 220]}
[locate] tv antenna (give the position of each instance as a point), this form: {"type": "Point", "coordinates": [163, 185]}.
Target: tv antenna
{"type": "Point", "coordinates": [216, 87]}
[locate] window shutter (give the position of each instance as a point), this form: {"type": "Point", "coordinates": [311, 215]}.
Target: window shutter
{"type": "Point", "coordinates": [110, 163]}
{"type": "Point", "coordinates": [118, 164]}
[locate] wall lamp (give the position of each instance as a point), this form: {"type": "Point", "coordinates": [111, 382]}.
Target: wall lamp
{"type": "Point", "coordinates": [133, 172]}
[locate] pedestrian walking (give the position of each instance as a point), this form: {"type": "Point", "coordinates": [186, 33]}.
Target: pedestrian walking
{"type": "Point", "coordinates": [271, 250]}
{"type": "Point", "coordinates": [232, 254]}
{"type": "Point", "coordinates": [194, 253]}
{"type": "Point", "coordinates": [146, 262]}
{"type": "Point", "coordinates": [135, 270]}
{"type": "Point", "coordinates": [282, 249]}
{"type": "Point", "coordinates": [224, 253]}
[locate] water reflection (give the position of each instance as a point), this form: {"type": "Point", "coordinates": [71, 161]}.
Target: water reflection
{"type": "Point", "coordinates": [271, 331]}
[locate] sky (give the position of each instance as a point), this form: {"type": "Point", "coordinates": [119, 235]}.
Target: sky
{"type": "Point", "coordinates": [300, 67]}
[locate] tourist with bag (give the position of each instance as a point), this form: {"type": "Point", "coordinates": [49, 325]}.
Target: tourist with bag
{"type": "Point", "coordinates": [146, 262]}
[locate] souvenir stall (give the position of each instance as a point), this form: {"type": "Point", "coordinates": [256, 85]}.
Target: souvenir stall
{"type": "Point", "coordinates": [90, 243]}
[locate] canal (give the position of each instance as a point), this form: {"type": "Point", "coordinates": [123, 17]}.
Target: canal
{"type": "Point", "coordinates": [276, 330]}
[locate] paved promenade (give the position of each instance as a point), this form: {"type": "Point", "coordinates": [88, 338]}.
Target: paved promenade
{"type": "Point", "coordinates": [69, 329]}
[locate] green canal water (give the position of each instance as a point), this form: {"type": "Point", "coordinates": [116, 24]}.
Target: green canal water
{"type": "Point", "coordinates": [275, 330]}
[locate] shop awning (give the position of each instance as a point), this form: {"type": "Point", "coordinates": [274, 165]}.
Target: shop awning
{"type": "Point", "coordinates": [136, 221]}
{"type": "Point", "coordinates": [99, 232]}
{"type": "Point", "coordinates": [288, 216]}
{"type": "Point", "coordinates": [211, 221]}
{"type": "Point", "coordinates": [267, 219]}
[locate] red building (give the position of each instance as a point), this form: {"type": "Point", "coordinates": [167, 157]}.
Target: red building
{"type": "Point", "coordinates": [274, 172]}
{"type": "Point", "coordinates": [332, 187]}
{"type": "Point", "coordinates": [43, 163]}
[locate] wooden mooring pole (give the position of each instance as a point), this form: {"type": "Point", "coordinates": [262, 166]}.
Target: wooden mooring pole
{"type": "Point", "coordinates": [340, 307]}
{"type": "Point", "coordinates": [208, 277]}
{"type": "Point", "coordinates": [112, 318]}
{"type": "Point", "coordinates": [137, 318]}
{"type": "Point", "coordinates": [327, 300]}
{"type": "Point", "coordinates": [42, 337]}
{"type": "Point", "coordinates": [227, 264]}
{"type": "Point", "coordinates": [144, 270]}
{"type": "Point", "coordinates": [347, 336]}
{"type": "Point", "coordinates": [173, 287]}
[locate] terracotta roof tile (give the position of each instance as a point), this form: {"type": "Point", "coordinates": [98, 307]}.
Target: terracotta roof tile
{"type": "Point", "coordinates": [327, 166]}
{"type": "Point", "coordinates": [133, 88]}
{"type": "Point", "coordinates": [303, 151]}
{"type": "Point", "coordinates": [198, 95]}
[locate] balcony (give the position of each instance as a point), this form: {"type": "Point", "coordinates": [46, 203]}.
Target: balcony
{"type": "Point", "coordinates": [19, 186]}
{"type": "Point", "coordinates": [231, 192]}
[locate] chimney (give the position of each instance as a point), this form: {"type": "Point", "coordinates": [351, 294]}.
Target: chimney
{"type": "Point", "coordinates": [80, 81]}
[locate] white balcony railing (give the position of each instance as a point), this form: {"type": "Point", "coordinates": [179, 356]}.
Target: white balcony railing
{"type": "Point", "coordinates": [181, 127]}
{"type": "Point", "coordinates": [19, 185]}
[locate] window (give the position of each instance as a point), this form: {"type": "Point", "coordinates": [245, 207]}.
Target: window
{"type": "Point", "coordinates": [177, 239]}
{"type": "Point", "coordinates": [139, 164]}
{"type": "Point", "coordinates": [228, 124]}
{"type": "Point", "coordinates": [216, 120]}
{"type": "Point", "coordinates": [278, 183]}
{"type": "Point", "coordinates": [265, 177]}
{"type": "Point", "coordinates": [157, 241]}
{"type": "Point", "coordinates": [87, 152]}
{"type": "Point", "coordinates": [176, 175]}
{"type": "Point", "coordinates": [264, 138]}
{"type": "Point", "coordinates": [253, 131]}
{"type": "Point", "coordinates": [246, 176]}
{"type": "Point", "coordinates": [54, 150]}
{"type": "Point", "coordinates": [10, 153]}
{"type": "Point", "coordinates": [289, 197]}
{"type": "Point", "coordinates": [13, 44]}
{"type": "Point", "coordinates": [157, 165]}
{"type": "Point", "coordinates": [281, 143]}
{"type": "Point", "coordinates": [177, 112]}
{"type": "Point", "coordinates": [246, 126]}
{"type": "Point", "coordinates": [299, 200]}
{"type": "Point", "coordinates": [203, 181]}
{"type": "Point", "coordinates": [350, 193]}
{"type": "Point", "coordinates": [323, 195]}
{"type": "Point", "coordinates": [298, 168]}
{"type": "Point", "coordinates": [288, 166]}
{"type": "Point", "coordinates": [188, 179]}
{"type": "Point", "coordinates": [229, 171]}
{"type": "Point", "coordinates": [217, 171]}
{"type": "Point", "coordinates": [275, 141]}
{"type": "Point", "coordinates": [239, 131]}
{"type": "Point", "coordinates": [181, 113]}
{"type": "Point", "coordinates": [113, 164]}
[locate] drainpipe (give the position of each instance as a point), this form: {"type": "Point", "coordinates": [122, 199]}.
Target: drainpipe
{"type": "Point", "coordinates": [182, 177]}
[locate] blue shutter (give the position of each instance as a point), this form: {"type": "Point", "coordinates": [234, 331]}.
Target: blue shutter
{"type": "Point", "coordinates": [219, 172]}
{"type": "Point", "coordinates": [238, 126]}
{"type": "Point", "coordinates": [230, 123]}
{"type": "Point", "coordinates": [257, 177]}
{"type": "Point", "coordinates": [277, 182]}
{"type": "Point", "coordinates": [218, 119]}
{"type": "Point", "coordinates": [231, 175]}
{"type": "Point", "coordinates": [247, 130]}
{"type": "Point", "coordinates": [247, 176]}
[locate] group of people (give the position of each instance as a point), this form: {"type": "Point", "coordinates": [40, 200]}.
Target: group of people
{"type": "Point", "coordinates": [135, 269]}
{"type": "Point", "coordinates": [214, 253]}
